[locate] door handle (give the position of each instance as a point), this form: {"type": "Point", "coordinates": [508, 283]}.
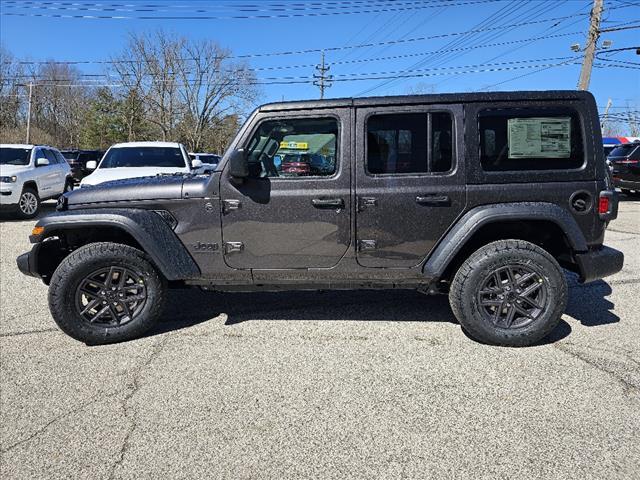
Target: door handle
{"type": "Point", "coordinates": [433, 200]}
{"type": "Point", "coordinates": [329, 203]}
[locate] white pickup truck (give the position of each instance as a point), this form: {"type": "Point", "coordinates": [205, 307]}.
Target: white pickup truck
{"type": "Point", "coordinates": [30, 174]}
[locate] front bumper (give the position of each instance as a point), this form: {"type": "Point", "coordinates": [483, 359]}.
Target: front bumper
{"type": "Point", "coordinates": [597, 264]}
{"type": "Point", "coordinates": [9, 195]}
{"type": "Point", "coordinates": [27, 262]}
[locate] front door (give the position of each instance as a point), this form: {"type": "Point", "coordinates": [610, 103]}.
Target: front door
{"type": "Point", "coordinates": [294, 210]}
{"type": "Point", "coordinates": [409, 181]}
{"type": "Point", "coordinates": [47, 175]}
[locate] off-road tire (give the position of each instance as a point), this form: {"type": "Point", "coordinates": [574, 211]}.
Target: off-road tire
{"type": "Point", "coordinates": [75, 268]}
{"type": "Point", "coordinates": [23, 201]}
{"type": "Point", "coordinates": [465, 292]}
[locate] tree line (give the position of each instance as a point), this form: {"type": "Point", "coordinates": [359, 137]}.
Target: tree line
{"type": "Point", "coordinates": [159, 87]}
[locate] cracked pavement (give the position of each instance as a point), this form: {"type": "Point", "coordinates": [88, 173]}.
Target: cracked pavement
{"type": "Point", "coordinates": [322, 385]}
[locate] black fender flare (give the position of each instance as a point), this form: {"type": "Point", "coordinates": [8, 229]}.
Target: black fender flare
{"type": "Point", "coordinates": [477, 217]}
{"type": "Point", "coordinates": [154, 235]}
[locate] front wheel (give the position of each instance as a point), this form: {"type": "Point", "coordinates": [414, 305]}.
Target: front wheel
{"type": "Point", "coordinates": [106, 292]}
{"type": "Point", "coordinates": [28, 203]}
{"type": "Point", "coordinates": [509, 292]}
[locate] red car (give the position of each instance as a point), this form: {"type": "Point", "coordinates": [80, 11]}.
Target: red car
{"type": "Point", "coordinates": [296, 164]}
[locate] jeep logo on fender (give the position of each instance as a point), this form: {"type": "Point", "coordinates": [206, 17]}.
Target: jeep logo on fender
{"type": "Point", "coordinates": [205, 247]}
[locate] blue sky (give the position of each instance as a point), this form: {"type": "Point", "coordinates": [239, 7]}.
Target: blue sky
{"type": "Point", "coordinates": [420, 28]}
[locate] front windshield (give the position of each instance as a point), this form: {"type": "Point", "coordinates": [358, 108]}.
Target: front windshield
{"type": "Point", "coordinates": [623, 150]}
{"type": "Point", "coordinates": [209, 158]}
{"type": "Point", "coordinates": [162, 157]}
{"type": "Point", "coordinates": [71, 155]}
{"type": "Point", "coordinates": [15, 156]}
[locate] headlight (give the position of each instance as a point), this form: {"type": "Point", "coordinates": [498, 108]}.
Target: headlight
{"type": "Point", "coordinates": [8, 179]}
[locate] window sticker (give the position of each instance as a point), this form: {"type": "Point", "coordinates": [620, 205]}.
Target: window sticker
{"type": "Point", "coordinates": [540, 137]}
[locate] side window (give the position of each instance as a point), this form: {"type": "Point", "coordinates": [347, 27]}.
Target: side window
{"type": "Point", "coordinates": [513, 139]}
{"type": "Point", "coordinates": [59, 156]}
{"type": "Point", "coordinates": [410, 143]}
{"type": "Point", "coordinates": [291, 148]}
{"type": "Point", "coordinates": [50, 156]}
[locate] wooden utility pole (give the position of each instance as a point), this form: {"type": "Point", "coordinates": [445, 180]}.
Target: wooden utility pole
{"type": "Point", "coordinates": [592, 43]}
{"type": "Point", "coordinates": [28, 141]}
{"type": "Point", "coordinates": [323, 81]}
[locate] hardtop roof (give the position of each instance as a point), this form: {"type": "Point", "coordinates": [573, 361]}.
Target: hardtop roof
{"type": "Point", "coordinates": [437, 98]}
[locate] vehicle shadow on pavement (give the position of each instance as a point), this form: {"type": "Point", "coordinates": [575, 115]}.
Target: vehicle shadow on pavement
{"type": "Point", "coordinates": [588, 303]}
{"type": "Point", "coordinates": [186, 308]}
{"type": "Point", "coordinates": [45, 209]}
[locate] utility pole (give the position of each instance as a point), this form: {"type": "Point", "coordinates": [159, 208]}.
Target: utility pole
{"type": "Point", "coordinates": [29, 114]}
{"type": "Point", "coordinates": [323, 80]}
{"type": "Point", "coordinates": [592, 43]}
{"type": "Point", "coordinates": [605, 117]}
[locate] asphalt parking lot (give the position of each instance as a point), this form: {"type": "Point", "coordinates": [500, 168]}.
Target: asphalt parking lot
{"type": "Point", "coordinates": [322, 385]}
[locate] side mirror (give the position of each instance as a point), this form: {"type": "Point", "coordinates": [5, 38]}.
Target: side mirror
{"type": "Point", "coordinates": [91, 165]}
{"type": "Point", "coordinates": [42, 162]}
{"type": "Point", "coordinates": [195, 164]}
{"type": "Point", "coordinates": [238, 164]}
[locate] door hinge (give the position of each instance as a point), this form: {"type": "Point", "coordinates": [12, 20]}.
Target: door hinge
{"type": "Point", "coordinates": [367, 245]}
{"type": "Point", "coordinates": [229, 205]}
{"type": "Point", "coordinates": [232, 247]}
{"type": "Point", "coordinates": [366, 202]}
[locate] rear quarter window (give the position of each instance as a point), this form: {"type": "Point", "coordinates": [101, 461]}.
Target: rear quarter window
{"type": "Point", "coordinates": [526, 139]}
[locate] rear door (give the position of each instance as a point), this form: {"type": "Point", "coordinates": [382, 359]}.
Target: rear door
{"type": "Point", "coordinates": [284, 219]}
{"type": "Point", "coordinates": [410, 184]}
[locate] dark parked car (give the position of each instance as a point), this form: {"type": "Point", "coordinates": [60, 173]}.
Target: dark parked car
{"type": "Point", "coordinates": [296, 165]}
{"type": "Point", "coordinates": [77, 160]}
{"type": "Point", "coordinates": [484, 197]}
{"type": "Point", "coordinates": [625, 167]}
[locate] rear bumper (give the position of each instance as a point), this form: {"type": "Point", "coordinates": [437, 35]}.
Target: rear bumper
{"type": "Point", "coordinates": [597, 264]}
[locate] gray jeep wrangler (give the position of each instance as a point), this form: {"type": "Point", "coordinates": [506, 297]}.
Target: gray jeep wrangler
{"type": "Point", "coordinates": [486, 197]}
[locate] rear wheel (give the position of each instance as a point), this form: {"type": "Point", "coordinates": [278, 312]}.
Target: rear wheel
{"type": "Point", "coordinates": [29, 203]}
{"type": "Point", "coordinates": [509, 292]}
{"type": "Point", "coordinates": [106, 292]}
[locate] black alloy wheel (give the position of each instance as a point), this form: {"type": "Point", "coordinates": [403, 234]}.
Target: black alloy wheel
{"type": "Point", "coordinates": [111, 296]}
{"type": "Point", "coordinates": [512, 296]}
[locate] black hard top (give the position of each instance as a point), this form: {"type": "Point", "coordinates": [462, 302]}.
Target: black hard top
{"type": "Point", "coordinates": [437, 98]}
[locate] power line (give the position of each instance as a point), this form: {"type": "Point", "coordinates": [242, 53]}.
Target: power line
{"type": "Point", "coordinates": [504, 12]}
{"type": "Point", "coordinates": [316, 50]}
{"type": "Point", "coordinates": [391, 8]}
{"type": "Point", "coordinates": [502, 66]}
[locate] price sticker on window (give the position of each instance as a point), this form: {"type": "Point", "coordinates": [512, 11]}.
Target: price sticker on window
{"type": "Point", "coordinates": [541, 137]}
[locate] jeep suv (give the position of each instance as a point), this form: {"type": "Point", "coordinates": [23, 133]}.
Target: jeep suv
{"type": "Point", "coordinates": [485, 197]}
{"type": "Point", "coordinates": [30, 174]}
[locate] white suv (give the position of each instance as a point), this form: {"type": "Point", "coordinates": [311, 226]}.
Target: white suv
{"type": "Point", "coordinates": [140, 159]}
{"type": "Point", "coordinates": [30, 174]}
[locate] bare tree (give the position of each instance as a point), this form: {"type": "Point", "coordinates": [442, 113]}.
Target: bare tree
{"type": "Point", "coordinates": [59, 103]}
{"type": "Point", "coordinates": [148, 67]}
{"type": "Point", "coordinates": [10, 95]}
{"type": "Point", "coordinates": [213, 87]}
{"type": "Point", "coordinates": [187, 87]}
